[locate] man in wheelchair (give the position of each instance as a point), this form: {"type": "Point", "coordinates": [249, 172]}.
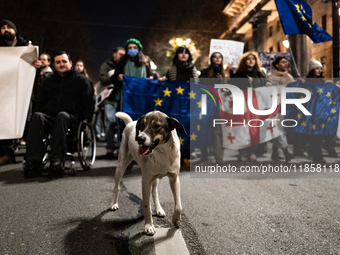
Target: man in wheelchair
{"type": "Point", "coordinates": [66, 99]}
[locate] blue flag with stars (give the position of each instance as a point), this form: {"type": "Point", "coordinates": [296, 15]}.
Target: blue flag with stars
{"type": "Point", "coordinates": [323, 105]}
{"type": "Point", "coordinates": [176, 99]}
{"type": "Point", "coordinates": [296, 18]}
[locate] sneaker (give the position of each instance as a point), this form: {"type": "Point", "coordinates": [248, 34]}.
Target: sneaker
{"type": "Point", "coordinates": [31, 168]}
{"type": "Point", "coordinates": [252, 157]}
{"type": "Point", "coordinates": [56, 168]}
{"type": "Point", "coordinates": [103, 134]}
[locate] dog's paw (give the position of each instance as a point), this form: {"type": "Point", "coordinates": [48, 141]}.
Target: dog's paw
{"type": "Point", "coordinates": [160, 212]}
{"type": "Point", "coordinates": [149, 229]}
{"type": "Point", "coordinates": [176, 219]}
{"type": "Point", "coordinates": [114, 207]}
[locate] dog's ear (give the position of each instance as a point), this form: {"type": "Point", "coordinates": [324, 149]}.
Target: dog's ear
{"type": "Point", "coordinates": [173, 123]}
{"type": "Point", "coordinates": [138, 124]}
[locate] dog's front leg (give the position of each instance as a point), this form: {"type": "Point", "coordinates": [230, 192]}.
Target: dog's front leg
{"type": "Point", "coordinates": [123, 162]}
{"type": "Point", "coordinates": [175, 188]}
{"type": "Point", "coordinates": [146, 190]}
{"type": "Point", "coordinates": [159, 210]}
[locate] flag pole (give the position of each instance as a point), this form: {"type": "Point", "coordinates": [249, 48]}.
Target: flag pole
{"type": "Point", "coordinates": [291, 53]}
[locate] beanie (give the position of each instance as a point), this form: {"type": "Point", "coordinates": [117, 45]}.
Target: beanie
{"type": "Point", "coordinates": [313, 64]}
{"type": "Point", "coordinates": [8, 23]}
{"type": "Point", "coordinates": [134, 41]}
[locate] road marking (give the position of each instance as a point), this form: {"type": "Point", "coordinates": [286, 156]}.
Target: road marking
{"type": "Point", "coordinates": [169, 241]}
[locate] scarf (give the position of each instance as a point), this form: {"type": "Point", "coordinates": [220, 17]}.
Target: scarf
{"type": "Point", "coordinates": [131, 70]}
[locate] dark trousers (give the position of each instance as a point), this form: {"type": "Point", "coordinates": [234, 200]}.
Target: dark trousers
{"type": "Point", "coordinates": [43, 124]}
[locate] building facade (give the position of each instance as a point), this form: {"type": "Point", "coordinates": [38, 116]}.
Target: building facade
{"type": "Point", "coordinates": [257, 23]}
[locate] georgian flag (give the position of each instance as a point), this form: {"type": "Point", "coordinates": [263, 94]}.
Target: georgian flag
{"type": "Point", "coordinates": [250, 129]}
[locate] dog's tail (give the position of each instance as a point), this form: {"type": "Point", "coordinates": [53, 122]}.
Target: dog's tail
{"type": "Point", "coordinates": [122, 115]}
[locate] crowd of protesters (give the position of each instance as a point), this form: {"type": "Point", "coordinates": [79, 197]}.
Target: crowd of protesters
{"type": "Point", "coordinates": [130, 60]}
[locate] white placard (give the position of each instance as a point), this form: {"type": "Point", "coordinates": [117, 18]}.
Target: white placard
{"type": "Point", "coordinates": [17, 79]}
{"type": "Point", "coordinates": [232, 51]}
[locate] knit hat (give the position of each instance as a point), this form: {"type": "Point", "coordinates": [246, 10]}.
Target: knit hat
{"type": "Point", "coordinates": [134, 41]}
{"type": "Point", "coordinates": [8, 23]}
{"type": "Point", "coordinates": [313, 64]}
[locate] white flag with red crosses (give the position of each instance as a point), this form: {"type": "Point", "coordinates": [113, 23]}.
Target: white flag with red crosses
{"type": "Point", "coordinates": [242, 131]}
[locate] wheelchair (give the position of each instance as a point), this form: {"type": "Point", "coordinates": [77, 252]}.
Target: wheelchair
{"type": "Point", "coordinates": [83, 142]}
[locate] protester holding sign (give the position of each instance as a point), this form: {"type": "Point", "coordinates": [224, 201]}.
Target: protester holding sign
{"type": "Point", "coordinates": [10, 38]}
{"type": "Point", "coordinates": [215, 70]}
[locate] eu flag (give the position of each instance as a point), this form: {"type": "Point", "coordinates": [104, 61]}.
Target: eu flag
{"type": "Point", "coordinates": [323, 105]}
{"type": "Point", "coordinates": [296, 18]}
{"type": "Point", "coordinates": [176, 99]}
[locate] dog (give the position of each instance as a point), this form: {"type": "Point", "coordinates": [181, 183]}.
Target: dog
{"type": "Point", "coordinates": [153, 143]}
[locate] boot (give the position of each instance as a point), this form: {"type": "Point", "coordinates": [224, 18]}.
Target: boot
{"type": "Point", "coordinates": [275, 154]}
{"type": "Point", "coordinates": [288, 156]}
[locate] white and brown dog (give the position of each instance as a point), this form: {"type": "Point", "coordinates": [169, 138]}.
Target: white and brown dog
{"type": "Point", "coordinates": [153, 143]}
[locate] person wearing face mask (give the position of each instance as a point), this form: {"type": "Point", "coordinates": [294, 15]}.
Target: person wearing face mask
{"type": "Point", "coordinates": [132, 63]}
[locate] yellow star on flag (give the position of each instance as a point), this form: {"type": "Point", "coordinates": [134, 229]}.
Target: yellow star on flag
{"type": "Point", "coordinates": [298, 8]}
{"type": "Point", "coordinates": [167, 92]}
{"type": "Point", "coordinates": [328, 94]}
{"type": "Point", "coordinates": [304, 123]}
{"type": "Point", "coordinates": [323, 125]}
{"type": "Point", "coordinates": [193, 137]}
{"type": "Point", "coordinates": [200, 116]}
{"type": "Point", "coordinates": [199, 104]}
{"type": "Point", "coordinates": [332, 102]}
{"type": "Point", "coordinates": [179, 90]}
{"type": "Point", "coordinates": [299, 116]}
{"type": "Point", "coordinates": [181, 140]}
{"type": "Point", "coordinates": [329, 118]}
{"type": "Point", "coordinates": [320, 90]}
{"type": "Point", "coordinates": [311, 92]}
{"type": "Point", "coordinates": [198, 127]}
{"type": "Point", "coordinates": [192, 94]}
{"type": "Point", "coordinates": [158, 102]}
{"type": "Point", "coordinates": [333, 111]}
{"type": "Point", "coordinates": [303, 18]}
{"type": "Point", "coordinates": [313, 127]}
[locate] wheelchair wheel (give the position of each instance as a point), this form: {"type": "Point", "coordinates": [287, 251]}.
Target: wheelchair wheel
{"type": "Point", "coordinates": [86, 145]}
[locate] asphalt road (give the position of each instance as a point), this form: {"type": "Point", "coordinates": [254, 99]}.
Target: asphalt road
{"type": "Point", "coordinates": [233, 214]}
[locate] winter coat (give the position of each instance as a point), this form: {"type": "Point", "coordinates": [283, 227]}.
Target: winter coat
{"type": "Point", "coordinates": [72, 94]}
{"type": "Point", "coordinates": [20, 42]}
{"type": "Point", "coordinates": [243, 81]}
{"type": "Point", "coordinates": [280, 78]}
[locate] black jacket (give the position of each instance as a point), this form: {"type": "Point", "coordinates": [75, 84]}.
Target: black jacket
{"type": "Point", "coordinates": [20, 41]}
{"type": "Point", "coordinates": [242, 81]}
{"type": "Point", "coordinates": [72, 94]}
